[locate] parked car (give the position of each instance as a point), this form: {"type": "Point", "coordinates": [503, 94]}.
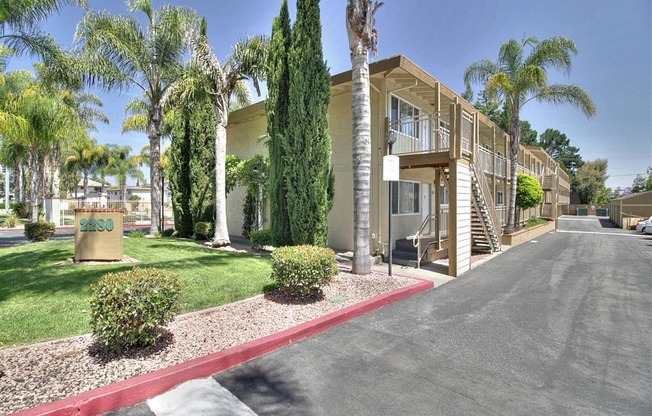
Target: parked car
{"type": "Point", "coordinates": [645, 226]}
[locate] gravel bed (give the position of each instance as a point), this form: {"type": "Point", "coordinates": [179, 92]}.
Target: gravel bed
{"type": "Point", "coordinates": [40, 373]}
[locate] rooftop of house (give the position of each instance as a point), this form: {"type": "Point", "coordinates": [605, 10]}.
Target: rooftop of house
{"type": "Point", "coordinates": [92, 182]}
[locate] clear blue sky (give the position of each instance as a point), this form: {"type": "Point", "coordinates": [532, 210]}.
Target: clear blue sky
{"type": "Point", "coordinates": [614, 63]}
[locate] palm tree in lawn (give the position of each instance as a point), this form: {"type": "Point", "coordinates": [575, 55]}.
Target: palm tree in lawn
{"type": "Point", "coordinates": [86, 106]}
{"type": "Point", "coordinates": [120, 54]}
{"type": "Point", "coordinates": [85, 153]}
{"type": "Point", "coordinates": [360, 19]}
{"type": "Point", "coordinates": [12, 126]}
{"type": "Point", "coordinates": [49, 120]}
{"type": "Point", "coordinates": [519, 79]}
{"type": "Point", "coordinates": [123, 166]}
{"type": "Point", "coordinates": [224, 82]}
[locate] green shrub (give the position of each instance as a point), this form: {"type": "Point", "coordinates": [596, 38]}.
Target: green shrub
{"type": "Point", "coordinates": [260, 238]}
{"type": "Point", "coordinates": [137, 234]}
{"type": "Point", "coordinates": [11, 220]}
{"type": "Point", "coordinates": [39, 231]}
{"type": "Point", "coordinates": [203, 230]}
{"type": "Point", "coordinates": [529, 193]}
{"type": "Point", "coordinates": [167, 232]}
{"type": "Point", "coordinates": [299, 269]}
{"type": "Point", "coordinates": [21, 209]}
{"type": "Point", "coordinates": [127, 308]}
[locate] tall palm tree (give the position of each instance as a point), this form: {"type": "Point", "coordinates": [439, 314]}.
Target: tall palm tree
{"type": "Point", "coordinates": [86, 107]}
{"type": "Point", "coordinates": [120, 53]}
{"type": "Point", "coordinates": [85, 153]}
{"type": "Point", "coordinates": [224, 82]}
{"type": "Point", "coordinates": [360, 20]}
{"type": "Point", "coordinates": [519, 79]}
{"type": "Point", "coordinates": [49, 120]}
{"type": "Point", "coordinates": [123, 166]}
{"type": "Point", "coordinates": [13, 126]}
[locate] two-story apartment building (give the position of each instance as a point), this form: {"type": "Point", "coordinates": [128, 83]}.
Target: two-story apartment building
{"type": "Point", "coordinates": [454, 170]}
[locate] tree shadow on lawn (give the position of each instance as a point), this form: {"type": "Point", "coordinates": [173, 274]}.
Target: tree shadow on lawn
{"type": "Point", "coordinates": [79, 277]}
{"type": "Point", "coordinates": [44, 281]}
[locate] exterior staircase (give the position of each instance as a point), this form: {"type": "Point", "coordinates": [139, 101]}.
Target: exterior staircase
{"type": "Point", "coordinates": [485, 228]}
{"type": "Point", "coordinates": [405, 253]}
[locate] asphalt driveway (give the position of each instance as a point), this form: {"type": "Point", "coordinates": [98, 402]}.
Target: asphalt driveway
{"type": "Point", "coordinates": [558, 326]}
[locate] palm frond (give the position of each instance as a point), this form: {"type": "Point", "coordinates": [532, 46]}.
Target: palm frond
{"type": "Point", "coordinates": [205, 60]}
{"type": "Point", "coordinates": [568, 94]}
{"type": "Point", "coordinates": [241, 96]}
{"type": "Point", "coordinates": [5, 54]}
{"type": "Point", "coordinates": [135, 123]}
{"type": "Point", "coordinates": [167, 42]}
{"type": "Point", "coordinates": [20, 14]}
{"type": "Point", "coordinates": [510, 56]}
{"type": "Point", "coordinates": [248, 59]}
{"type": "Point", "coordinates": [114, 48]}
{"type": "Point", "coordinates": [499, 85]}
{"type": "Point", "coordinates": [480, 71]}
{"type": "Point", "coordinates": [137, 106]}
{"type": "Point", "coordinates": [555, 52]}
{"type": "Point", "coordinates": [144, 6]}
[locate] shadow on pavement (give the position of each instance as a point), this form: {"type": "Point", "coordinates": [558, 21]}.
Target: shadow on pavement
{"type": "Point", "coordinates": [606, 223]}
{"type": "Point", "coordinates": [266, 390]}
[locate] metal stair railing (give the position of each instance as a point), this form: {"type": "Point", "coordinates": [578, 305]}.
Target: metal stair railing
{"type": "Point", "coordinates": [416, 240]}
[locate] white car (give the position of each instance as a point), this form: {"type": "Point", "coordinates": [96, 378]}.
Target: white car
{"type": "Point", "coordinates": [645, 226]}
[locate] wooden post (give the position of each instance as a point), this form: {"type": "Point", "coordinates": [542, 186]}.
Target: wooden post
{"type": "Point", "coordinates": [452, 125]}
{"type": "Point", "coordinates": [495, 159]}
{"type": "Point", "coordinates": [507, 178]}
{"type": "Point", "coordinates": [459, 217]}
{"type": "Point", "coordinates": [438, 207]}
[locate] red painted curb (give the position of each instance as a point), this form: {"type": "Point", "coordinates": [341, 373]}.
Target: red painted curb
{"type": "Point", "coordinates": [132, 391]}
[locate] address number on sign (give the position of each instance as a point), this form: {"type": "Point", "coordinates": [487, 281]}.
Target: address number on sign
{"type": "Point", "coordinates": [86, 224]}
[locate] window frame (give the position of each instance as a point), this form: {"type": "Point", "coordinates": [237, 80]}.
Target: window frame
{"type": "Point", "coordinates": [416, 197]}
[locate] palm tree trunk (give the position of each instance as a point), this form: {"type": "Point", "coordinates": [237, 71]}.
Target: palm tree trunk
{"type": "Point", "coordinates": [34, 179]}
{"type": "Point", "coordinates": [221, 228]}
{"type": "Point", "coordinates": [360, 102]}
{"type": "Point", "coordinates": [46, 175]}
{"type": "Point", "coordinates": [85, 180]}
{"type": "Point", "coordinates": [154, 134]}
{"type": "Point", "coordinates": [19, 190]}
{"type": "Point", "coordinates": [56, 171]}
{"type": "Point", "coordinates": [513, 157]}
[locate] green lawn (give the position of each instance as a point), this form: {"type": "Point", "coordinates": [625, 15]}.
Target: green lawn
{"type": "Point", "coordinates": [39, 301]}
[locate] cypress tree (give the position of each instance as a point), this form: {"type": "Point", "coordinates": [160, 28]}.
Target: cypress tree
{"type": "Point", "coordinates": [278, 82]}
{"type": "Point", "coordinates": [202, 161]}
{"type": "Point", "coordinates": [179, 175]}
{"type": "Point", "coordinates": [307, 149]}
{"type": "Point", "coordinates": [190, 173]}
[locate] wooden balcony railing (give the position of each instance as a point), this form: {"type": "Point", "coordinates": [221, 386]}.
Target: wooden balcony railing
{"type": "Point", "coordinates": [422, 133]}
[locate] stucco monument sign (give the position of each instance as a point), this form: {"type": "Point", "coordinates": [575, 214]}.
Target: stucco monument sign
{"type": "Point", "coordinates": [98, 234]}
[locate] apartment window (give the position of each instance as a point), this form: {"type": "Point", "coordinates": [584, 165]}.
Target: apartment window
{"type": "Point", "coordinates": [500, 199]}
{"type": "Point", "coordinates": [405, 197]}
{"type": "Point", "coordinates": [443, 195]}
{"type": "Point", "coordinates": [405, 114]}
